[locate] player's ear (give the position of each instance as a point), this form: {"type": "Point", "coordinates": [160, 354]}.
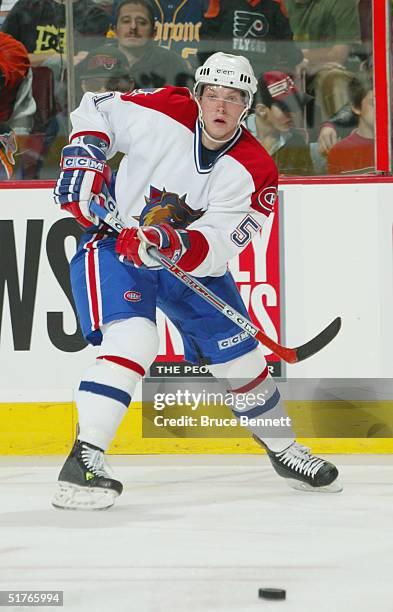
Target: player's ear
{"type": "Point", "coordinates": [356, 111]}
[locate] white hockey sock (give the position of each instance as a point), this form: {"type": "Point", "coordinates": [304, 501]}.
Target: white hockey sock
{"type": "Point", "coordinates": [129, 347]}
{"type": "Point", "coordinates": [102, 400]}
{"type": "Point", "coordinates": [267, 418]}
{"type": "Point", "coordinates": [256, 399]}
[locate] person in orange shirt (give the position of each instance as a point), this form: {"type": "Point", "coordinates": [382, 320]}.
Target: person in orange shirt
{"type": "Point", "coordinates": [355, 153]}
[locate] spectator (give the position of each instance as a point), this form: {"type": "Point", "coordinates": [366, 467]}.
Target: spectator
{"type": "Point", "coordinates": [151, 65]}
{"type": "Point", "coordinates": [257, 29]}
{"type": "Point", "coordinates": [326, 31]}
{"type": "Point", "coordinates": [178, 25]}
{"type": "Point", "coordinates": [278, 103]}
{"type": "Point", "coordinates": [17, 106]}
{"type": "Point", "coordinates": [179, 28]}
{"type": "Point", "coordinates": [8, 148]}
{"type": "Point", "coordinates": [355, 153]}
{"type": "Point", "coordinates": [40, 26]}
{"type": "Point", "coordinates": [340, 125]}
{"type": "Point", "coordinates": [105, 69]}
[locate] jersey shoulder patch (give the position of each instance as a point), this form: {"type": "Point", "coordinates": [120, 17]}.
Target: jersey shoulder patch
{"type": "Point", "coordinates": [256, 160]}
{"type": "Point", "coordinates": [175, 102]}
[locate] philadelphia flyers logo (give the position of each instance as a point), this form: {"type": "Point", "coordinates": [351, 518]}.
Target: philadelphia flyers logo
{"type": "Point", "coordinates": [250, 25]}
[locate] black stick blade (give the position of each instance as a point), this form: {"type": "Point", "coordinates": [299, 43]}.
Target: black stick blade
{"type": "Point", "coordinates": [319, 342]}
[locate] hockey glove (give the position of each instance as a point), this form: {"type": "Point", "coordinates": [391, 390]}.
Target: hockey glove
{"type": "Point", "coordinates": [134, 244]}
{"type": "Point", "coordinates": [85, 175]}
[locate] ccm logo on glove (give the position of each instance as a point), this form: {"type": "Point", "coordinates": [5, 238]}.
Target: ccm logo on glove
{"type": "Point", "coordinates": [83, 162]}
{"type": "Point", "coordinates": [85, 176]}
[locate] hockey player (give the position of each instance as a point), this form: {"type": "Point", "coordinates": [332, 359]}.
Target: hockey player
{"type": "Point", "coordinates": [194, 183]}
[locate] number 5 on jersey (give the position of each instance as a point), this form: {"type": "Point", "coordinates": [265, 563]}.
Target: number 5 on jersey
{"type": "Point", "coordinates": [245, 231]}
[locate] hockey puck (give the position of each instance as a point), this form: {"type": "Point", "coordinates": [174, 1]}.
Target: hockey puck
{"type": "Point", "coordinates": [272, 593]}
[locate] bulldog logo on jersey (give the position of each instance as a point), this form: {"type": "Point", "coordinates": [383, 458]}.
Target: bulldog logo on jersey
{"type": "Point", "coordinates": [168, 207]}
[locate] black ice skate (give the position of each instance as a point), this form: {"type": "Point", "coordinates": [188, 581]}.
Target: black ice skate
{"type": "Point", "coordinates": [83, 482]}
{"type": "Point", "coordinates": [304, 471]}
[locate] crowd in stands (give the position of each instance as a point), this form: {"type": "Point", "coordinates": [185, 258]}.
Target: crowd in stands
{"type": "Point", "coordinates": [313, 111]}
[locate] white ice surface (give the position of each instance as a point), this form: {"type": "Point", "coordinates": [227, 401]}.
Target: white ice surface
{"type": "Point", "coordinates": [202, 534]}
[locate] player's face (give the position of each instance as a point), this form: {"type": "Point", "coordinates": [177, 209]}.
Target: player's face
{"type": "Point", "coordinates": [221, 110]}
{"type": "Point", "coordinates": [133, 28]}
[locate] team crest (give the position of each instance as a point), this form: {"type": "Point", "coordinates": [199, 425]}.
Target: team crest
{"type": "Point", "coordinates": [250, 25]}
{"type": "Point", "coordinates": [133, 296]}
{"type": "Point", "coordinates": [168, 207]}
{"type": "Point", "coordinates": [264, 200]}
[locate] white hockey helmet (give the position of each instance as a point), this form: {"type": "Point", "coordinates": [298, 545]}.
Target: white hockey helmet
{"type": "Point", "coordinates": [228, 71]}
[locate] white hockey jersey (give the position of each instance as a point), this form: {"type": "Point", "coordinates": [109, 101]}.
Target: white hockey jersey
{"type": "Point", "coordinates": [162, 176]}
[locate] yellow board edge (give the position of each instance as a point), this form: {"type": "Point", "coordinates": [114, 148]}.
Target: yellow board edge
{"type": "Point", "coordinates": [49, 429]}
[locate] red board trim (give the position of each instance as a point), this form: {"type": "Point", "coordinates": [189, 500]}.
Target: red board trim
{"type": "Point", "coordinates": [292, 180]}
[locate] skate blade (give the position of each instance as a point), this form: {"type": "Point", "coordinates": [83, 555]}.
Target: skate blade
{"type": "Point", "coordinates": [333, 487]}
{"type": "Point", "coordinates": [73, 497]}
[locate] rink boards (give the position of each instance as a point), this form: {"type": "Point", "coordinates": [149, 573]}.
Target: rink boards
{"type": "Point", "coordinates": [45, 429]}
{"type": "Point", "coordinates": [333, 257]}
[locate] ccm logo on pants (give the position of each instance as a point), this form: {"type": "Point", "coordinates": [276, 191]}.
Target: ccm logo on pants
{"type": "Point", "coordinates": [228, 342]}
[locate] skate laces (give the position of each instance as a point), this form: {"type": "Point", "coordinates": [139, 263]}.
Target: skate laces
{"type": "Point", "coordinates": [94, 461]}
{"type": "Point", "coordinates": [298, 457]}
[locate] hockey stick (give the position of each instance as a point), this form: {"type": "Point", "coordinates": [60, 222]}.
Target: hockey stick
{"type": "Point", "coordinates": [290, 355]}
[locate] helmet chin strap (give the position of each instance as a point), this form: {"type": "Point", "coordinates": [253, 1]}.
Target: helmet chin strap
{"type": "Point", "coordinates": [221, 140]}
